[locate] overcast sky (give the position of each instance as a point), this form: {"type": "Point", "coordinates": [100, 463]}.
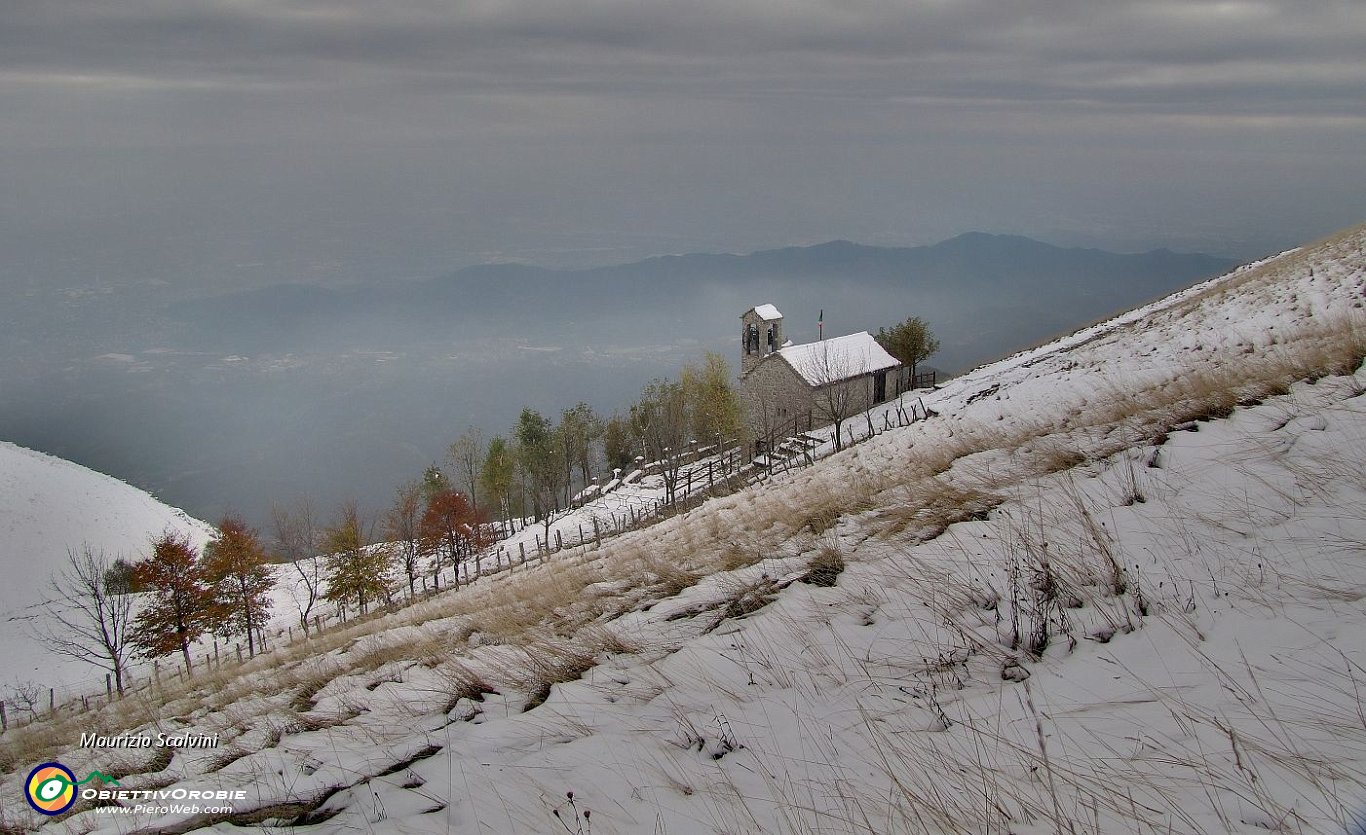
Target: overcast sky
{"type": "Point", "coordinates": [236, 141]}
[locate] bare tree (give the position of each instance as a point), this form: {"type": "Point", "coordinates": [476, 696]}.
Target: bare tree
{"type": "Point", "coordinates": [26, 696]}
{"type": "Point", "coordinates": [466, 455]}
{"type": "Point", "coordinates": [295, 536]}
{"type": "Point", "coordinates": [661, 424]}
{"type": "Point", "coordinates": [831, 368]}
{"type": "Point", "coordinates": [401, 529]}
{"type": "Point", "coordinates": [93, 616]}
{"type": "Point", "coordinates": [579, 428]}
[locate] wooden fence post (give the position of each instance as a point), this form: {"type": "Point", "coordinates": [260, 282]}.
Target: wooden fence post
{"type": "Point", "coordinates": [521, 546]}
{"type": "Point", "coordinates": [559, 542]}
{"type": "Point", "coordinates": [51, 700]}
{"type": "Point", "coordinates": [239, 653]}
{"type": "Point", "coordinates": [109, 685]}
{"type": "Point", "coordinates": [4, 719]}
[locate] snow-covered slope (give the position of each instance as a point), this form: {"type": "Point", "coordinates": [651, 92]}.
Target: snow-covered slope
{"type": "Point", "coordinates": [47, 507]}
{"type": "Point", "coordinates": [1115, 585]}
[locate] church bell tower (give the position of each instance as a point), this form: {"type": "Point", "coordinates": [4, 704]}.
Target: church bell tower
{"type": "Point", "coordinates": [761, 333]}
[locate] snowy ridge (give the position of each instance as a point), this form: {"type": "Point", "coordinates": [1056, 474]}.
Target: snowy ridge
{"type": "Point", "coordinates": [1114, 587]}
{"type": "Point", "coordinates": [47, 506]}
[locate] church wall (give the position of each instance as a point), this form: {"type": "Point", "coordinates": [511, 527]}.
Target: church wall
{"type": "Point", "coordinates": [773, 395]}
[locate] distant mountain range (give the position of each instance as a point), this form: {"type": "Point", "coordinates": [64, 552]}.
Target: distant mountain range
{"type": "Point", "coordinates": [1013, 281]}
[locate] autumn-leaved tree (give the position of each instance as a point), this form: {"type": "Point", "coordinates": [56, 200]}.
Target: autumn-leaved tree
{"type": "Point", "coordinates": [451, 530]}
{"type": "Point", "coordinates": [911, 342]}
{"type": "Point", "coordinates": [356, 570]}
{"type": "Point", "coordinates": [177, 613]}
{"type": "Point", "coordinates": [713, 402]}
{"type": "Point", "coordinates": [499, 474]}
{"type": "Point", "coordinates": [234, 568]}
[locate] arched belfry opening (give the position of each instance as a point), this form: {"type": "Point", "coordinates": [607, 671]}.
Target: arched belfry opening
{"type": "Point", "coordinates": [761, 334]}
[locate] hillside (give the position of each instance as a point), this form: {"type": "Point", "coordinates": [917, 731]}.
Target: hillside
{"type": "Point", "coordinates": [47, 507]}
{"type": "Point", "coordinates": [1114, 585]}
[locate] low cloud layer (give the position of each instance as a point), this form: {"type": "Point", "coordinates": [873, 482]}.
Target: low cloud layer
{"type": "Point", "coordinates": [341, 139]}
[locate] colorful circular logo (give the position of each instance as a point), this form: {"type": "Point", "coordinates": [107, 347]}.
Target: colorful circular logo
{"type": "Point", "coordinates": [51, 788]}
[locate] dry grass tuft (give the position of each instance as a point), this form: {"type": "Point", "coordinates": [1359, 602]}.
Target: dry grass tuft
{"type": "Point", "coordinates": [746, 598]}
{"type": "Point", "coordinates": [547, 663]}
{"type": "Point", "coordinates": [930, 505]}
{"type": "Point", "coordinates": [825, 566]}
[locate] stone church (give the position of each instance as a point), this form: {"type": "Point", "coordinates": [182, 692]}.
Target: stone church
{"type": "Point", "coordinates": [787, 388]}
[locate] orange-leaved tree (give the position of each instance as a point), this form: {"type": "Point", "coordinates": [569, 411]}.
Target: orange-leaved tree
{"type": "Point", "coordinates": [179, 611]}
{"type": "Point", "coordinates": [234, 568]}
{"type": "Point", "coordinates": [451, 527]}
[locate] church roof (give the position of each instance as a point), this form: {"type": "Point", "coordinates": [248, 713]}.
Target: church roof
{"type": "Point", "coordinates": [839, 358]}
{"type": "Point", "coordinates": [767, 312]}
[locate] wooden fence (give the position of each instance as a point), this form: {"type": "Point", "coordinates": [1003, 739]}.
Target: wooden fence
{"type": "Point", "coordinates": [700, 473]}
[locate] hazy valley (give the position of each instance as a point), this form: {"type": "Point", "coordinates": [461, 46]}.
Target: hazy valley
{"type": "Point", "coordinates": [219, 402]}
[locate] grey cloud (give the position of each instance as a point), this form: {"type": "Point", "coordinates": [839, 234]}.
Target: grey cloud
{"type": "Point", "coordinates": [973, 49]}
{"type": "Point", "coordinates": [409, 135]}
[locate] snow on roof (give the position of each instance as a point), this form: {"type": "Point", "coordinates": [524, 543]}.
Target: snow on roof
{"type": "Point", "coordinates": [767, 312]}
{"type": "Point", "coordinates": [838, 359]}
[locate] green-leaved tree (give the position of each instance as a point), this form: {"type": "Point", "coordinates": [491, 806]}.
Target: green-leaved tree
{"type": "Point", "coordinates": [912, 342]}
